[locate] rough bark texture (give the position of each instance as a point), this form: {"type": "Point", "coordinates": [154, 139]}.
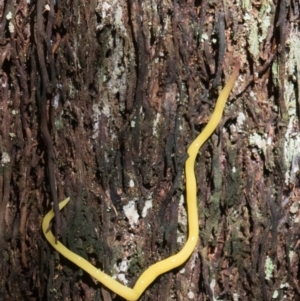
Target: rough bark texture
{"type": "Point", "coordinates": [100, 100]}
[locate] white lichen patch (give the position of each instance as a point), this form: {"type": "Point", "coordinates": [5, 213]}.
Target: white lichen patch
{"type": "Point", "coordinates": [256, 26]}
{"type": "Point", "coordinates": [237, 127]}
{"type": "Point", "coordinates": [191, 295]}
{"type": "Point", "coordinates": [9, 16]}
{"type": "Point", "coordinates": [148, 205]}
{"type": "Point", "coordinates": [106, 110]}
{"type": "Point", "coordinates": [182, 220]}
{"type": "Point", "coordinates": [264, 19]}
{"type": "Point", "coordinates": [182, 215]}
{"type": "Point", "coordinates": [118, 55]}
{"type": "Point", "coordinates": [204, 37]}
{"type": "Point", "coordinates": [5, 158]}
{"type": "Point", "coordinates": [292, 151]}
{"type": "Point", "coordinates": [95, 118]}
{"type": "Point", "coordinates": [111, 14]}
{"type": "Point", "coordinates": [284, 285]}
{"type": "Point", "coordinates": [236, 297]}
{"type": "Point", "coordinates": [99, 110]}
{"type": "Point", "coordinates": [212, 286]}
{"type": "Point", "coordinates": [291, 255]}
{"type": "Point", "coordinates": [253, 38]}
{"type": "Point", "coordinates": [294, 54]}
{"type": "Point", "coordinates": [131, 213]}
{"type": "Point", "coordinates": [269, 268]}
{"type": "Point", "coordinates": [241, 118]}
{"type": "Point", "coordinates": [155, 123]}
{"type": "Point", "coordinates": [55, 102]}
{"type": "Point", "coordinates": [294, 208]}
{"type": "Point", "coordinates": [259, 141]}
{"type": "Point", "coordinates": [11, 27]}
{"type": "Point", "coordinates": [194, 260]}
{"type": "Point", "coordinates": [291, 85]}
{"type": "Point", "coordinates": [121, 270]}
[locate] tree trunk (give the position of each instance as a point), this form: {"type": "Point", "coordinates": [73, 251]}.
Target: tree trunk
{"type": "Point", "coordinates": [99, 103]}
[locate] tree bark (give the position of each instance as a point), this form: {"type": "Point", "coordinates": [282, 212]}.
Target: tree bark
{"type": "Point", "coordinates": [99, 102]}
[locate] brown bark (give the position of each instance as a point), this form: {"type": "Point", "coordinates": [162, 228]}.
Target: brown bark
{"type": "Point", "coordinates": [100, 100]}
